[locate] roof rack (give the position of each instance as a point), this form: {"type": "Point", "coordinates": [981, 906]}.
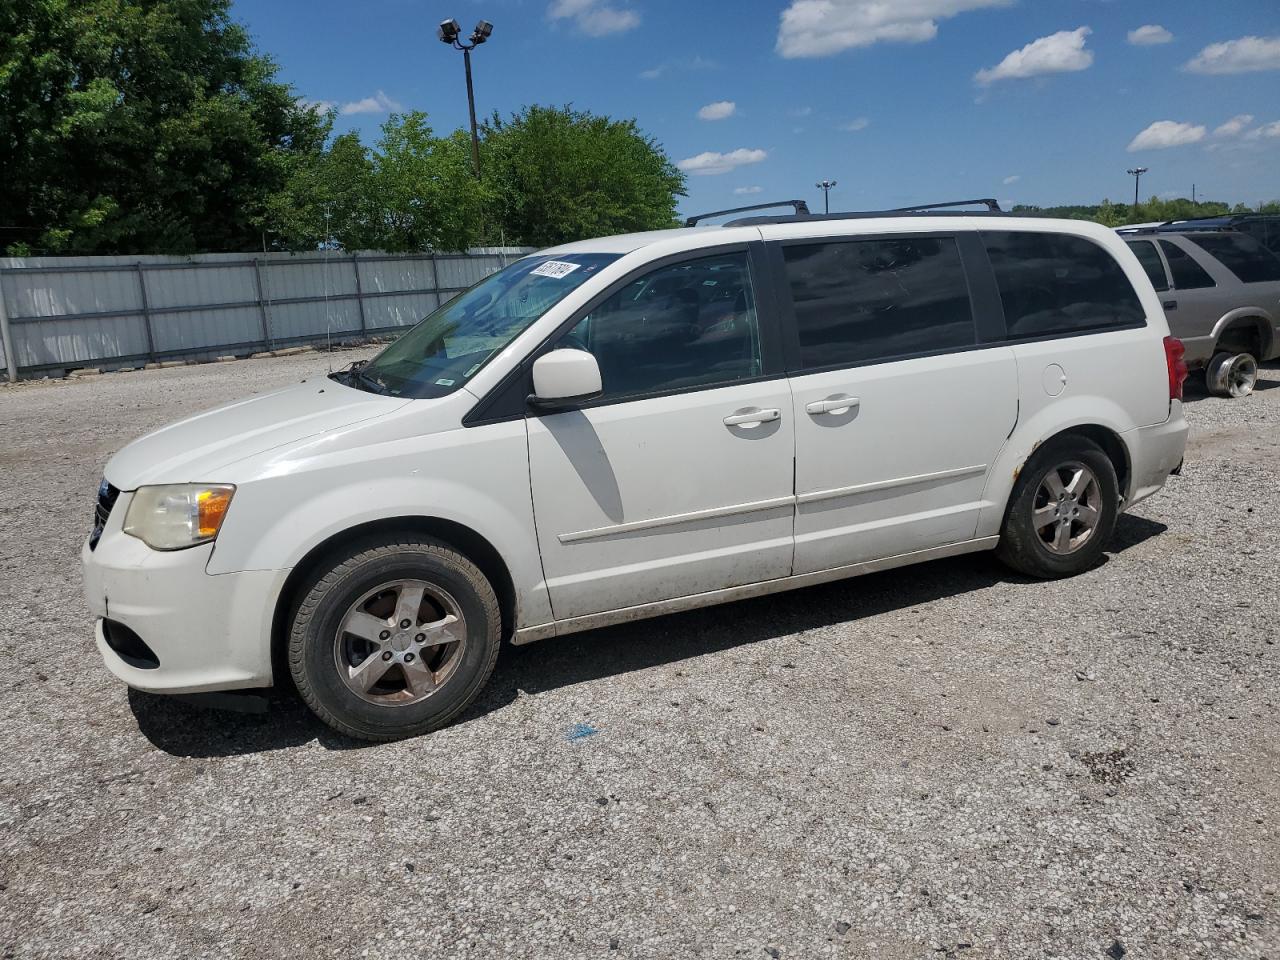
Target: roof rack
{"type": "Point", "coordinates": [992, 205]}
{"type": "Point", "coordinates": [801, 208]}
{"type": "Point", "coordinates": [934, 209]}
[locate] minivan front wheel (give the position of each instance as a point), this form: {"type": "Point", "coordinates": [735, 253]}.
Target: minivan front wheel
{"type": "Point", "coordinates": [394, 639]}
{"type": "Point", "coordinates": [1063, 510]}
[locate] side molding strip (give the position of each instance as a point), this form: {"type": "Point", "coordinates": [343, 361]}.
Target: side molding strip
{"type": "Point", "coordinates": [642, 611]}
{"type": "Point", "coordinates": [817, 495]}
{"type": "Point", "coordinates": [709, 514]}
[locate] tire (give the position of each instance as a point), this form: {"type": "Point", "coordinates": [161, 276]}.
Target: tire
{"type": "Point", "coordinates": [363, 672]}
{"type": "Point", "coordinates": [1231, 375]}
{"type": "Point", "coordinates": [1041, 551]}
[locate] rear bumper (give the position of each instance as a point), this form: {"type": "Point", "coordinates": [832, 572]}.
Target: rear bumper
{"type": "Point", "coordinates": [201, 632]}
{"type": "Point", "coordinates": [1154, 453]}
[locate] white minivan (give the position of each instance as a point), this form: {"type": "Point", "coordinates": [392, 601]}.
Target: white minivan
{"type": "Point", "coordinates": [635, 425]}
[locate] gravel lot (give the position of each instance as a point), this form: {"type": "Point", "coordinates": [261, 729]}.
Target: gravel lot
{"type": "Point", "coordinates": [943, 761]}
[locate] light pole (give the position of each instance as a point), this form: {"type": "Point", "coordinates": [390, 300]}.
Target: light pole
{"type": "Point", "coordinates": [449, 33]}
{"type": "Point", "coordinates": [1136, 173]}
{"type": "Point", "coordinates": [825, 186]}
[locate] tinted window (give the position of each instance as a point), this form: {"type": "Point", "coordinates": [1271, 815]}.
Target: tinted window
{"type": "Point", "coordinates": [691, 324]}
{"type": "Point", "coordinates": [1056, 284]}
{"type": "Point", "coordinates": [1266, 230]}
{"type": "Point", "coordinates": [1242, 255]}
{"type": "Point", "coordinates": [1149, 257]}
{"type": "Point", "coordinates": [874, 299]}
{"type": "Point", "coordinates": [1187, 274]}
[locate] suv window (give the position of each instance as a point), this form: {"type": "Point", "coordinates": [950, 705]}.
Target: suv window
{"type": "Point", "coordinates": [1052, 283]}
{"type": "Point", "coordinates": [863, 300]}
{"type": "Point", "coordinates": [1187, 274]}
{"type": "Point", "coordinates": [1149, 257]}
{"type": "Point", "coordinates": [691, 324]}
{"type": "Point", "coordinates": [1249, 260]}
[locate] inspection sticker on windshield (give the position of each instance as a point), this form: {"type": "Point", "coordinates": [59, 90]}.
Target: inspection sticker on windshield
{"type": "Point", "coordinates": [555, 268]}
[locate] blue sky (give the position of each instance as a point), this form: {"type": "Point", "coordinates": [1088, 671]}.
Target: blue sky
{"type": "Point", "coordinates": [1032, 101]}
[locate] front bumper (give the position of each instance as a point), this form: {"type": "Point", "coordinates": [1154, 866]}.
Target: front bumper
{"type": "Point", "coordinates": [207, 632]}
{"type": "Point", "coordinates": [1154, 453]}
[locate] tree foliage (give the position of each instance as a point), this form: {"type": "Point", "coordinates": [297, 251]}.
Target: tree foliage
{"type": "Point", "coordinates": [1154, 210]}
{"type": "Point", "coordinates": [140, 126]}
{"type": "Point", "coordinates": [560, 174]}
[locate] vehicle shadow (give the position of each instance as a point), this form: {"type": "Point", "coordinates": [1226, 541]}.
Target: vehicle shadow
{"type": "Point", "coordinates": [184, 729]}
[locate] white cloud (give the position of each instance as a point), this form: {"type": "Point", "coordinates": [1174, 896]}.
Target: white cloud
{"type": "Point", "coordinates": [744, 191]}
{"type": "Point", "coordinates": [711, 162]}
{"type": "Point", "coordinates": [1008, 181]}
{"type": "Point", "coordinates": [1235, 126]}
{"type": "Point", "coordinates": [853, 126]}
{"type": "Point", "coordinates": [1150, 35]}
{"type": "Point", "coordinates": [319, 106]}
{"type": "Point", "coordinates": [594, 17]}
{"type": "Point", "coordinates": [802, 112]}
{"type": "Point", "coordinates": [1266, 130]}
{"type": "Point", "coordinates": [1061, 52]}
{"type": "Point", "coordinates": [719, 110]}
{"type": "Point", "coordinates": [820, 28]}
{"type": "Point", "coordinates": [378, 103]}
{"type": "Point", "coordinates": [1246, 55]}
{"type": "Point", "coordinates": [1167, 133]}
{"type": "Point", "coordinates": [672, 66]}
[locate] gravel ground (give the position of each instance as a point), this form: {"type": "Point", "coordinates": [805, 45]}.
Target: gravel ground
{"type": "Point", "coordinates": [943, 761]}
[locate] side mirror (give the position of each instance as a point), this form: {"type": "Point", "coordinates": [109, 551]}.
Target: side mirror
{"type": "Point", "coordinates": [564, 377]}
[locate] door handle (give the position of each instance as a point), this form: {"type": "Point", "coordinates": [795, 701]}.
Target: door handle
{"type": "Point", "coordinates": [833, 405]}
{"type": "Point", "coordinates": [752, 418]}
{"type": "Point", "coordinates": [1170, 304]}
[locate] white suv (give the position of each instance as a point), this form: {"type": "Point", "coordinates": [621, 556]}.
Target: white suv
{"type": "Point", "coordinates": [634, 425]}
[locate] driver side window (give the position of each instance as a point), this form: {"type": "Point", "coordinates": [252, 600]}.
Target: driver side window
{"type": "Point", "coordinates": [682, 326]}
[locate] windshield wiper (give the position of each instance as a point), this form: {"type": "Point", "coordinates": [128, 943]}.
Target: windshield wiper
{"type": "Point", "coordinates": [374, 385]}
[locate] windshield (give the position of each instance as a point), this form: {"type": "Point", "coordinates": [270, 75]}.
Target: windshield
{"type": "Point", "coordinates": [444, 351]}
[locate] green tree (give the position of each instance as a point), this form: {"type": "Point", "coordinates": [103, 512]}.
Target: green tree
{"type": "Point", "coordinates": [413, 191]}
{"type": "Point", "coordinates": [140, 126]}
{"type": "Point", "coordinates": [559, 174]}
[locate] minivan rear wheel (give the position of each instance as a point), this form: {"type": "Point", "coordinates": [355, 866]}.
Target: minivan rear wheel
{"type": "Point", "coordinates": [1062, 511]}
{"type": "Point", "coordinates": [1231, 374]}
{"type": "Point", "coordinates": [394, 639]}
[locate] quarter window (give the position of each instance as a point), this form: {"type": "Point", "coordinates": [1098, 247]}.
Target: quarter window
{"type": "Point", "coordinates": [1249, 260]}
{"type": "Point", "coordinates": [684, 326]}
{"type": "Point", "coordinates": [1149, 257]}
{"type": "Point", "coordinates": [1187, 274]}
{"type": "Point", "coordinates": [865, 300]}
{"type": "Point", "coordinates": [1054, 284]}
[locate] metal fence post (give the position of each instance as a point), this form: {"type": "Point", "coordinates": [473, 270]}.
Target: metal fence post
{"type": "Point", "coordinates": [355, 265]}
{"type": "Point", "coordinates": [267, 340]}
{"type": "Point", "coordinates": [146, 310]}
{"type": "Point", "coordinates": [435, 277]}
{"type": "Point", "coordinates": [10, 358]}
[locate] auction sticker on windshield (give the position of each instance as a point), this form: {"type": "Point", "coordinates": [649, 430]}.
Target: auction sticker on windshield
{"type": "Point", "coordinates": [555, 268]}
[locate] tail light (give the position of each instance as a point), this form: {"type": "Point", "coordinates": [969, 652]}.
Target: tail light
{"type": "Point", "coordinates": [1173, 353]}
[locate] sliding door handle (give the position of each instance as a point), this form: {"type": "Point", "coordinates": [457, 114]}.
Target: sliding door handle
{"type": "Point", "coordinates": [833, 405]}
{"type": "Point", "coordinates": [752, 418]}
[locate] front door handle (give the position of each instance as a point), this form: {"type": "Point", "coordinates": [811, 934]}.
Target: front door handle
{"type": "Point", "coordinates": [752, 418]}
{"type": "Point", "coordinates": [1170, 304]}
{"type": "Point", "coordinates": [832, 405]}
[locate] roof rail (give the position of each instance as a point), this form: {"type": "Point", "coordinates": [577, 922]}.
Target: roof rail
{"type": "Point", "coordinates": [990, 203]}
{"type": "Point", "coordinates": [801, 209]}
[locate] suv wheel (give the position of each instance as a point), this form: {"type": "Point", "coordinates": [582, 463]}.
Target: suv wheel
{"type": "Point", "coordinates": [1231, 375]}
{"type": "Point", "coordinates": [1062, 512]}
{"type": "Point", "coordinates": [395, 639]}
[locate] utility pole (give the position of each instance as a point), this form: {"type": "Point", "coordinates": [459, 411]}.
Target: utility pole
{"type": "Point", "coordinates": [448, 33]}
{"type": "Point", "coordinates": [1193, 194]}
{"type": "Point", "coordinates": [825, 186]}
{"type": "Point", "coordinates": [1136, 173]}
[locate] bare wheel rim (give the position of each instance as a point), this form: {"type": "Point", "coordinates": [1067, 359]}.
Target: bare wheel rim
{"type": "Point", "coordinates": [1242, 375]}
{"type": "Point", "coordinates": [1067, 507]}
{"type": "Point", "coordinates": [400, 642]}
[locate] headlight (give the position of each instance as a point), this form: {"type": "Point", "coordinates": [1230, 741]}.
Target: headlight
{"type": "Point", "coordinates": [178, 516]}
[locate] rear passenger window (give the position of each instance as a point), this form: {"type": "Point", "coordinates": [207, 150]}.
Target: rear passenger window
{"type": "Point", "coordinates": [1051, 283]}
{"type": "Point", "coordinates": [864, 300]}
{"type": "Point", "coordinates": [1187, 274]}
{"type": "Point", "coordinates": [1249, 260]}
{"type": "Point", "coordinates": [1149, 257]}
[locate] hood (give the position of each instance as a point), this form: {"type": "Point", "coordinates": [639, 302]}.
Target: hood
{"type": "Point", "coordinates": [196, 449]}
